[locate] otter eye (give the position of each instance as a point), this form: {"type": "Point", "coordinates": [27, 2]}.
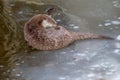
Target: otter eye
{"type": "Point", "coordinates": [39, 22]}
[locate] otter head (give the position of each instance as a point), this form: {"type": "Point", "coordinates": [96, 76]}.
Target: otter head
{"type": "Point", "coordinates": [41, 21]}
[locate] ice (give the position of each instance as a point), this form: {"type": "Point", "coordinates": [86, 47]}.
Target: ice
{"type": "Point", "coordinates": [118, 17]}
{"type": "Point", "coordinates": [117, 44]}
{"type": "Point", "coordinates": [117, 51]}
{"type": "Point", "coordinates": [118, 37]}
{"type": "Point", "coordinates": [100, 25]}
{"type": "Point", "coordinates": [62, 78]}
{"type": "Point", "coordinates": [91, 75]}
{"type": "Point", "coordinates": [18, 75]}
{"type": "Point", "coordinates": [83, 63]}
{"type": "Point", "coordinates": [72, 25]}
{"type": "Point", "coordinates": [58, 20]}
{"type": "Point", "coordinates": [116, 22]}
{"type": "Point", "coordinates": [75, 27]}
{"type": "Point", "coordinates": [116, 4]}
{"type": "Point", "coordinates": [107, 24]}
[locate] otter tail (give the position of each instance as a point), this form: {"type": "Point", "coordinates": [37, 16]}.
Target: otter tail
{"type": "Point", "coordinates": [83, 36]}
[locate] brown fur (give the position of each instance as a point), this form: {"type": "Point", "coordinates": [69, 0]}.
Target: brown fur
{"type": "Point", "coordinates": [52, 38]}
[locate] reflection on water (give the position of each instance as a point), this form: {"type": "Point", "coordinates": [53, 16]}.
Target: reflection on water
{"type": "Point", "coordinates": [82, 60]}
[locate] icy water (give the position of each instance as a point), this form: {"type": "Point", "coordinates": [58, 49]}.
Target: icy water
{"type": "Point", "coordinates": [82, 60]}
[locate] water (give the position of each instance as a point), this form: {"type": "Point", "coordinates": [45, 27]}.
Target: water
{"type": "Point", "coordinates": [81, 60]}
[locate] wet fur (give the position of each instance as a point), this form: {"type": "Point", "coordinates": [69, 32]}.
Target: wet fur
{"type": "Point", "coordinates": [53, 38]}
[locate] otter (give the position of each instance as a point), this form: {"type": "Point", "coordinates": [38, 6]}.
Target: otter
{"type": "Point", "coordinates": [43, 33]}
